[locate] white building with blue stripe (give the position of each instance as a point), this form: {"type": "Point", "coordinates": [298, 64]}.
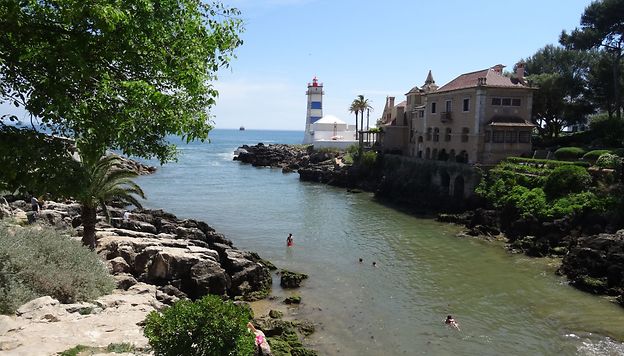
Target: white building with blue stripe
{"type": "Point", "coordinates": [324, 131]}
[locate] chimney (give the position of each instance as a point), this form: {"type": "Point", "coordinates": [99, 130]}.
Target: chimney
{"type": "Point", "coordinates": [520, 71]}
{"type": "Point", "coordinates": [391, 102]}
{"type": "Point", "coordinates": [498, 68]}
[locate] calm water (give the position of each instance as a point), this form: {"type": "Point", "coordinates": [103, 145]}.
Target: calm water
{"type": "Point", "coordinates": [505, 304]}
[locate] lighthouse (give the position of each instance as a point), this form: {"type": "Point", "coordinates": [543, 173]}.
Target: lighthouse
{"type": "Point", "coordinates": [314, 109]}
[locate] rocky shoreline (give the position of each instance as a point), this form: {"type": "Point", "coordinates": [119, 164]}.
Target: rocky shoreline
{"type": "Point", "coordinates": [156, 259]}
{"type": "Point", "coordinates": [592, 260]}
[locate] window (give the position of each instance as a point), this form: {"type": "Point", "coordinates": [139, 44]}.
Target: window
{"type": "Point", "coordinates": [422, 113]}
{"type": "Point", "coordinates": [447, 136]}
{"type": "Point", "coordinates": [464, 136]}
{"type": "Point", "coordinates": [448, 106]}
{"type": "Point", "coordinates": [488, 135]}
{"type": "Point", "coordinates": [436, 134]}
{"type": "Point", "coordinates": [409, 99]}
{"type": "Point", "coordinates": [506, 101]}
{"type": "Point", "coordinates": [433, 108]}
{"type": "Point", "coordinates": [315, 105]}
{"type": "Point", "coordinates": [498, 136]}
{"type": "Point", "coordinates": [524, 136]}
{"type": "Point", "coordinates": [466, 106]}
{"type": "Point", "coordinates": [411, 135]}
{"type": "Point", "coordinates": [511, 136]}
{"type": "Point", "coordinates": [429, 133]}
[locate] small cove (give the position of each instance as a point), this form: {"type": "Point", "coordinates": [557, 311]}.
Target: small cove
{"type": "Point", "coordinates": [505, 303]}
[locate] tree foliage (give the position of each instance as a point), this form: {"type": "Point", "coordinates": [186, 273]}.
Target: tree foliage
{"type": "Point", "coordinates": [103, 179]}
{"type": "Point", "coordinates": [116, 74]}
{"type": "Point", "coordinates": [561, 78]}
{"type": "Point", "coordinates": [31, 161]}
{"type": "Point", "coordinates": [602, 27]}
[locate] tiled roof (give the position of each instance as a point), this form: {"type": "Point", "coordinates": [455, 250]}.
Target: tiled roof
{"type": "Point", "coordinates": [470, 80]}
{"type": "Point", "coordinates": [403, 103]}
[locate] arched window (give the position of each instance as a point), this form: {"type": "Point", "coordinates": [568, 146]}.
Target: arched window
{"type": "Point", "coordinates": [429, 133]}
{"type": "Point", "coordinates": [428, 153]}
{"type": "Point", "coordinates": [447, 136]}
{"type": "Point", "coordinates": [436, 134]}
{"type": "Point", "coordinates": [420, 139]}
{"type": "Point", "coordinates": [452, 155]}
{"type": "Point", "coordinates": [420, 154]}
{"type": "Point", "coordinates": [434, 154]}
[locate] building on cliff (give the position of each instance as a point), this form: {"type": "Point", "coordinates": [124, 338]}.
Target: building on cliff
{"type": "Point", "coordinates": [479, 117]}
{"type": "Point", "coordinates": [324, 131]}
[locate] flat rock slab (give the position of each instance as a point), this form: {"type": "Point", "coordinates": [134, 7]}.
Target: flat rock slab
{"type": "Point", "coordinates": [113, 321]}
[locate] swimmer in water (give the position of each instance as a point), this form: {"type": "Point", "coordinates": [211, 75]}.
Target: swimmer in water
{"type": "Point", "coordinates": [289, 240]}
{"type": "Point", "coordinates": [451, 322]}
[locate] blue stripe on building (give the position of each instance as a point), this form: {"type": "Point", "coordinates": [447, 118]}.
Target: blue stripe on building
{"type": "Point", "coordinates": [314, 119]}
{"type": "Point", "coordinates": [315, 105]}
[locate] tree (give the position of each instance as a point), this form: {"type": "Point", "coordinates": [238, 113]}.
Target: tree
{"type": "Point", "coordinates": [360, 104]}
{"type": "Point", "coordinates": [116, 74]}
{"type": "Point", "coordinates": [602, 27]}
{"type": "Point", "coordinates": [103, 179]}
{"type": "Point", "coordinates": [562, 96]}
{"type": "Point", "coordinates": [355, 109]}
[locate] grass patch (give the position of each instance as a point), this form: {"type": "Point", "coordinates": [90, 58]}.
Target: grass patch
{"type": "Point", "coordinates": [36, 261]}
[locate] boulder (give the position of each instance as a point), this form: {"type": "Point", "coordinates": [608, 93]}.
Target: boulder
{"type": "Point", "coordinates": [207, 277]}
{"type": "Point", "coordinates": [118, 265]}
{"type": "Point", "coordinates": [291, 279]}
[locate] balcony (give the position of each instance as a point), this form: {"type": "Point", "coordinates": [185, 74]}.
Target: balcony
{"type": "Point", "coordinates": [446, 116]}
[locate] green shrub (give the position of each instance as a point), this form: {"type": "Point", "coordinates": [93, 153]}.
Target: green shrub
{"type": "Point", "coordinates": [592, 156]}
{"type": "Point", "coordinates": [609, 161]}
{"type": "Point", "coordinates": [567, 179]}
{"type": "Point", "coordinates": [569, 153]}
{"type": "Point", "coordinates": [607, 131]}
{"type": "Point", "coordinates": [209, 326]}
{"type": "Point", "coordinates": [35, 262]}
{"type": "Point", "coordinates": [575, 203]}
{"type": "Point", "coordinates": [527, 201]}
{"type": "Point", "coordinates": [368, 159]}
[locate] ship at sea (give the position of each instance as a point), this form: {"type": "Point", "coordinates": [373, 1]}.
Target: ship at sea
{"type": "Point", "coordinates": [242, 128]}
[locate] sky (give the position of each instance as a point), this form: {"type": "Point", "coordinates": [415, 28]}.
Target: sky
{"type": "Point", "coordinates": [373, 48]}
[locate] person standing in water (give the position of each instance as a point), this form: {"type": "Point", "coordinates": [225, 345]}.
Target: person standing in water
{"type": "Point", "coordinates": [289, 240]}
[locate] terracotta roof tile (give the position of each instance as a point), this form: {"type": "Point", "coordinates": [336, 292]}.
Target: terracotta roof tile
{"type": "Point", "coordinates": [403, 103]}
{"type": "Point", "coordinates": [471, 80]}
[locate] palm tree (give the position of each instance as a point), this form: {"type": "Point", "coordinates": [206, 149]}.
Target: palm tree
{"type": "Point", "coordinates": [354, 108]}
{"type": "Point", "coordinates": [361, 104]}
{"type": "Point", "coordinates": [104, 179]}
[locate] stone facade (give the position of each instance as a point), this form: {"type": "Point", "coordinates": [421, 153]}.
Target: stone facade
{"type": "Point", "coordinates": [479, 117]}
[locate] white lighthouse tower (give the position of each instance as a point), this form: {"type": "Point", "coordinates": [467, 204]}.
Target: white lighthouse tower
{"type": "Point", "coordinates": [315, 108]}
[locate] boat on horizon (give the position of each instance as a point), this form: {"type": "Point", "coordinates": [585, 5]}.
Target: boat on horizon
{"type": "Point", "coordinates": [242, 128]}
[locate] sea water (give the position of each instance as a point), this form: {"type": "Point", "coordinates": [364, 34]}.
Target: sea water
{"type": "Point", "coordinates": [504, 303]}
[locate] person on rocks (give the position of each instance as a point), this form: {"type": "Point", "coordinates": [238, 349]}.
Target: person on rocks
{"type": "Point", "coordinates": [126, 215]}
{"type": "Point", "coordinates": [262, 345]}
{"type": "Point", "coordinates": [289, 240]}
{"type": "Point", "coordinates": [452, 323]}
{"type": "Point", "coordinates": [34, 203]}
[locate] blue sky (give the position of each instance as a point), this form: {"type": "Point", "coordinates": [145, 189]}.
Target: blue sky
{"type": "Point", "coordinates": [374, 48]}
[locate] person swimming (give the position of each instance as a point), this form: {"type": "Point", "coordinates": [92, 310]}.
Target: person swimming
{"type": "Point", "coordinates": [361, 260]}
{"type": "Point", "coordinates": [451, 322]}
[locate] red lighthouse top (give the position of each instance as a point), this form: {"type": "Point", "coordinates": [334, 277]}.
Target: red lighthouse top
{"type": "Point", "coordinates": [315, 82]}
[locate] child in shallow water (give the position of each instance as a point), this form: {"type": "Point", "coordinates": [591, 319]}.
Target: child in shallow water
{"type": "Point", "coordinates": [451, 322]}
{"type": "Point", "coordinates": [289, 240]}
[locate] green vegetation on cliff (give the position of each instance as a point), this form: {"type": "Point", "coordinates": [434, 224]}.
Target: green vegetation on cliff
{"type": "Point", "coordinates": [549, 190]}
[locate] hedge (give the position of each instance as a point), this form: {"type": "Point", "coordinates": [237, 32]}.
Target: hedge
{"type": "Point", "coordinates": [569, 153]}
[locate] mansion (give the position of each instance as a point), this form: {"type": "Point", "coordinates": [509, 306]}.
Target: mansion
{"type": "Point", "coordinates": [480, 117]}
